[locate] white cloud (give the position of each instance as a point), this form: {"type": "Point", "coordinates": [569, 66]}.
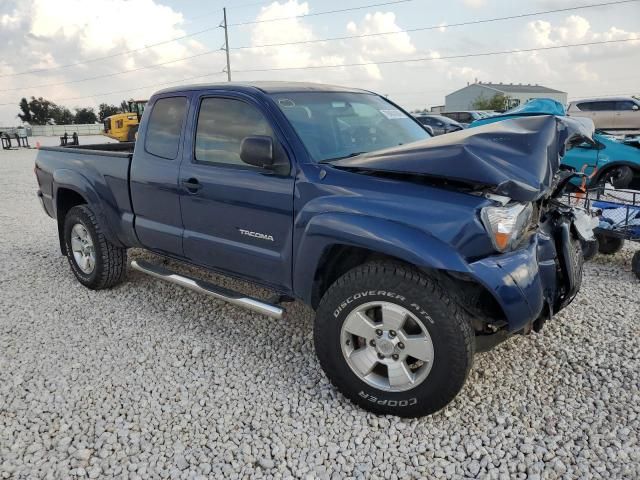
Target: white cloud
{"type": "Point", "coordinates": [109, 24]}
{"type": "Point", "coordinates": [575, 29]}
{"type": "Point", "coordinates": [9, 20]}
{"type": "Point", "coordinates": [475, 3]}
{"type": "Point", "coordinates": [369, 48]}
{"type": "Point", "coordinates": [383, 45]}
{"type": "Point", "coordinates": [581, 63]}
{"type": "Point", "coordinates": [44, 34]}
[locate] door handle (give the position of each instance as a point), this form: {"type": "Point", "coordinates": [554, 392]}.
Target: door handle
{"type": "Point", "coordinates": [192, 185]}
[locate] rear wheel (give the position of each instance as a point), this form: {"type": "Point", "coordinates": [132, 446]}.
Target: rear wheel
{"type": "Point", "coordinates": [392, 340]}
{"type": "Point", "coordinates": [95, 261]}
{"type": "Point", "coordinates": [608, 245]}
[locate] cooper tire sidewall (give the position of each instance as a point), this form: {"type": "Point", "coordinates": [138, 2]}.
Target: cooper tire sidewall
{"type": "Point", "coordinates": [424, 310]}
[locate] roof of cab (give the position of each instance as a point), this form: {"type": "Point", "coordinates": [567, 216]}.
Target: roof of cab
{"type": "Point", "coordinates": [265, 87]}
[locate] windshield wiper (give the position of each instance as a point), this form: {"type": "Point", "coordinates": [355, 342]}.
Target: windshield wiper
{"type": "Point", "coordinates": [329, 160]}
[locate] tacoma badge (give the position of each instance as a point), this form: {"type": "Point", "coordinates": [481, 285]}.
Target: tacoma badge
{"type": "Point", "coordinates": [261, 236]}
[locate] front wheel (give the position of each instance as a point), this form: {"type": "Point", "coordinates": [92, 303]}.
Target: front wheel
{"type": "Point", "coordinates": [393, 341]}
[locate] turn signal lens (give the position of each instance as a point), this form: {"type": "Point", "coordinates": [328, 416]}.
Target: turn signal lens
{"type": "Point", "coordinates": [506, 225]}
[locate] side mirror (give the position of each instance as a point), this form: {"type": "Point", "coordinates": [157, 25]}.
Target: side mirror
{"type": "Point", "coordinates": [257, 151]}
{"type": "Point", "coordinates": [635, 107]}
{"type": "Point", "coordinates": [429, 130]}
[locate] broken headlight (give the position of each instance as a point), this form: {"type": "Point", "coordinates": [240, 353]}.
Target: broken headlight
{"type": "Point", "coordinates": [506, 224]}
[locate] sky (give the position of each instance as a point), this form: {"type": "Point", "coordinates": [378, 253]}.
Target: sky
{"type": "Point", "coordinates": [81, 53]}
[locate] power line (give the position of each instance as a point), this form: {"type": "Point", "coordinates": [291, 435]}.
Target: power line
{"type": "Point", "coordinates": [113, 55]}
{"type": "Point", "coordinates": [435, 27]}
{"type": "Point", "coordinates": [182, 37]}
{"type": "Point", "coordinates": [127, 90]}
{"type": "Point", "coordinates": [347, 37]}
{"type": "Point", "coordinates": [310, 67]}
{"type": "Point", "coordinates": [529, 82]}
{"type": "Point", "coordinates": [326, 12]}
{"type": "Point", "coordinates": [383, 62]}
{"type": "Point", "coordinates": [450, 57]}
{"type": "Point", "coordinates": [114, 74]}
{"type": "Point", "coordinates": [233, 8]}
{"type": "Point", "coordinates": [251, 4]}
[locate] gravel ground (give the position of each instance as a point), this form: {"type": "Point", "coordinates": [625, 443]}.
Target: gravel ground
{"type": "Point", "coordinates": [149, 380]}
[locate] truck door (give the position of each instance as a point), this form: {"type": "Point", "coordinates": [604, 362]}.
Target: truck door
{"type": "Point", "coordinates": [154, 177]}
{"type": "Point", "coordinates": [237, 218]}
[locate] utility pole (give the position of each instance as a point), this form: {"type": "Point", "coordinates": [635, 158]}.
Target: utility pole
{"type": "Point", "coordinates": [226, 42]}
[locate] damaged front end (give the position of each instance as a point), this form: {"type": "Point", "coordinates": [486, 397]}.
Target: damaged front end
{"type": "Point", "coordinates": [517, 158]}
{"type": "Point", "coordinates": [536, 267]}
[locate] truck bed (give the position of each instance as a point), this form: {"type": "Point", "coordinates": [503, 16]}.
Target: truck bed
{"type": "Point", "coordinates": [99, 173]}
{"type": "Point", "coordinates": [106, 149]}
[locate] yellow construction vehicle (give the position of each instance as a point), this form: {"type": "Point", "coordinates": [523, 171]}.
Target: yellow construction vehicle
{"type": "Point", "coordinates": [124, 126]}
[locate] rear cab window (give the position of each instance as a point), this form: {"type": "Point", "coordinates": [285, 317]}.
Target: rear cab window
{"type": "Point", "coordinates": [165, 125]}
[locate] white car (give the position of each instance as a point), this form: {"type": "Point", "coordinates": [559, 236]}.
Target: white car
{"type": "Point", "coordinates": [612, 113]}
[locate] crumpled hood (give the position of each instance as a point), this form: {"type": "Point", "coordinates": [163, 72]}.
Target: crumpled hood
{"type": "Point", "coordinates": [517, 157]}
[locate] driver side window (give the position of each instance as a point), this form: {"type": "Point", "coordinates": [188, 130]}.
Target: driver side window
{"type": "Point", "coordinates": [222, 125]}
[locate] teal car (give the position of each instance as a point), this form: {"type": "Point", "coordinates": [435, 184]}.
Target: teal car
{"type": "Point", "coordinates": [608, 161]}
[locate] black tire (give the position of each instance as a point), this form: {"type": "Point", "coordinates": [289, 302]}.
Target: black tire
{"type": "Point", "coordinates": [590, 249]}
{"type": "Point", "coordinates": [635, 264]}
{"type": "Point", "coordinates": [608, 245]}
{"type": "Point", "coordinates": [448, 325]}
{"type": "Point", "coordinates": [620, 176]}
{"type": "Point", "coordinates": [575, 268]}
{"type": "Point", "coordinates": [110, 261]}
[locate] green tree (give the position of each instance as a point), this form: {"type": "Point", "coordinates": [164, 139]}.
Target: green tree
{"type": "Point", "coordinates": [61, 115]}
{"type": "Point", "coordinates": [37, 111]}
{"type": "Point", "coordinates": [85, 115]}
{"type": "Point", "coordinates": [25, 116]}
{"type": "Point", "coordinates": [105, 110]}
{"type": "Point", "coordinates": [497, 102]}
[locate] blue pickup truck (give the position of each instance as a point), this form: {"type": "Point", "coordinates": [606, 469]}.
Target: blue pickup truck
{"type": "Point", "coordinates": [415, 252]}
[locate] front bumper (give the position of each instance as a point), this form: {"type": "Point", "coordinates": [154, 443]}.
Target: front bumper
{"type": "Point", "coordinates": [524, 282]}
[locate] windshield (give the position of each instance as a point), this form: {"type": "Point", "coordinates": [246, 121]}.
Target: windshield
{"type": "Point", "coordinates": [335, 125]}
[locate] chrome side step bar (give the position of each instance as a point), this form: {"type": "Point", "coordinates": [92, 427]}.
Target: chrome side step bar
{"type": "Point", "coordinates": [208, 288]}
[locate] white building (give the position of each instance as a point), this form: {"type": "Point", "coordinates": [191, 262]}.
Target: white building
{"type": "Point", "coordinates": [518, 94]}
